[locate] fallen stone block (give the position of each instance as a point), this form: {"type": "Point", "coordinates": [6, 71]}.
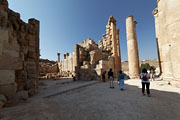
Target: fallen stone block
{"type": "Point", "coordinates": [3, 99]}
{"type": "Point", "coordinates": [22, 95]}
{"type": "Point", "coordinates": [31, 92]}
{"type": "Point", "coordinates": [2, 104]}
{"type": "Point", "coordinates": [9, 91]}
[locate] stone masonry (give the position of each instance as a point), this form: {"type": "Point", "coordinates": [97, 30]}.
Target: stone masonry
{"type": "Point", "coordinates": [19, 53]}
{"type": "Point", "coordinates": [167, 22]}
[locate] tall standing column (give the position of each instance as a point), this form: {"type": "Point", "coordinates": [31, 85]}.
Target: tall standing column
{"type": "Point", "coordinates": [158, 42]}
{"type": "Point", "coordinates": [164, 39]}
{"type": "Point", "coordinates": [58, 55]}
{"type": "Point", "coordinates": [76, 62]}
{"type": "Point", "coordinates": [173, 28]}
{"type": "Point", "coordinates": [118, 49]}
{"type": "Point", "coordinates": [76, 55]}
{"type": "Point", "coordinates": [133, 57]}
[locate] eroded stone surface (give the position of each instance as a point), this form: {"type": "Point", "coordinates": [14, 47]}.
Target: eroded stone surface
{"type": "Point", "coordinates": [167, 22]}
{"type": "Point", "coordinates": [19, 52]}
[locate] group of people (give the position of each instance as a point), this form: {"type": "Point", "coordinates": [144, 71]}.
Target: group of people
{"type": "Point", "coordinates": [144, 76]}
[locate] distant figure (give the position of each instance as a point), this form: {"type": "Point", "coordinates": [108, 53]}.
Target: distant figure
{"type": "Point", "coordinates": [152, 73]}
{"type": "Point", "coordinates": [104, 76]}
{"type": "Point", "coordinates": [144, 75]}
{"type": "Point", "coordinates": [121, 78]}
{"type": "Point", "coordinates": [111, 78]}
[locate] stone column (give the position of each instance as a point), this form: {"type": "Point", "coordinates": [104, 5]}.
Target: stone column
{"type": "Point", "coordinates": [133, 57]}
{"type": "Point", "coordinates": [76, 62]}
{"type": "Point", "coordinates": [164, 39]}
{"type": "Point", "coordinates": [158, 42]}
{"type": "Point", "coordinates": [58, 55]}
{"type": "Point", "coordinates": [36, 25]}
{"type": "Point", "coordinates": [64, 56]}
{"type": "Point", "coordinates": [172, 27]}
{"type": "Point", "coordinates": [67, 61]}
{"type": "Point", "coordinates": [67, 54]}
{"type": "Point", "coordinates": [76, 55]}
{"type": "Point", "coordinates": [118, 49]}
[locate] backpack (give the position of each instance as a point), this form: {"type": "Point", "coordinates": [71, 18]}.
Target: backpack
{"type": "Point", "coordinates": [144, 77]}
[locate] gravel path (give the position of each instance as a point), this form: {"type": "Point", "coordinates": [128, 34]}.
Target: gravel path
{"type": "Point", "coordinates": [99, 102]}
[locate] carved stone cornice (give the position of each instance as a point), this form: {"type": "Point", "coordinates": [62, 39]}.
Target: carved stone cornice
{"type": "Point", "coordinates": [158, 1]}
{"type": "Point", "coordinates": [155, 11]}
{"type": "Point", "coordinates": [135, 22]}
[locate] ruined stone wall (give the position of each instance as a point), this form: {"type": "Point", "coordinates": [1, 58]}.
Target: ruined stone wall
{"type": "Point", "coordinates": [167, 21]}
{"type": "Point", "coordinates": [111, 43]}
{"type": "Point", "coordinates": [85, 62]}
{"type": "Point", "coordinates": [19, 53]}
{"type": "Point", "coordinates": [53, 69]}
{"type": "Point", "coordinates": [105, 65]}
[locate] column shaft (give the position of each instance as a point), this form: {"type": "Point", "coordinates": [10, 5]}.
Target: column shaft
{"type": "Point", "coordinates": [133, 57]}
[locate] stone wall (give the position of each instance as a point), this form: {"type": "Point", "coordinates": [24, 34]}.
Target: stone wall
{"type": "Point", "coordinates": [49, 69]}
{"type": "Point", "coordinates": [19, 53]}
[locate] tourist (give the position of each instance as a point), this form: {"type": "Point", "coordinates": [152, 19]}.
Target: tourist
{"type": "Point", "coordinates": [104, 76]}
{"type": "Point", "coordinates": [121, 78]}
{"type": "Point", "coordinates": [111, 78]}
{"type": "Point", "coordinates": [152, 74]}
{"type": "Point", "coordinates": [144, 75]}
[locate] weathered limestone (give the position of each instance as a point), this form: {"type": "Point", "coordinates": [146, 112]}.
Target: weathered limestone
{"type": "Point", "coordinates": [167, 32]}
{"type": "Point", "coordinates": [19, 53]}
{"type": "Point", "coordinates": [111, 43]}
{"type": "Point", "coordinates": [133, 57]}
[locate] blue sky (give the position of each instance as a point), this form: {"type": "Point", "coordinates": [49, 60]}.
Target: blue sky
{"type": "Point", "coordinates": [64, 23]}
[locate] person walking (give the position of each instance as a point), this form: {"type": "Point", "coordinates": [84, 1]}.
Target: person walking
{"type": "Point", "coordinates": [121, 78]}
{"type": "Point", "coordinates": [144, 75]}
{"type": "Point", "coordinates": [104, 76]}
{"type": "Point", "coordinates": [111, 78]}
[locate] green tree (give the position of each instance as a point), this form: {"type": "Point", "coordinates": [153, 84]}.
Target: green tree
{"type": "Point", "coordinates": [152, 68]}
{"type": "Point", "coordinates": [146, 66]}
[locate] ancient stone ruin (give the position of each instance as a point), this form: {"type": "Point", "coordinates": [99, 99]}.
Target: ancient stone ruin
{"type": "Point", "coordinates": [167, 24]}
{"type": "Point", "coordinates": [48, 69]}
{"type": "Point", "coordinates": [89, 59]}
{"type": "Point", "coordinates": [19, 54]}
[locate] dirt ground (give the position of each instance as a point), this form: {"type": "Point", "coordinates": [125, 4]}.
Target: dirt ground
{"type": "Point", "coordinates": [94, 100]}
